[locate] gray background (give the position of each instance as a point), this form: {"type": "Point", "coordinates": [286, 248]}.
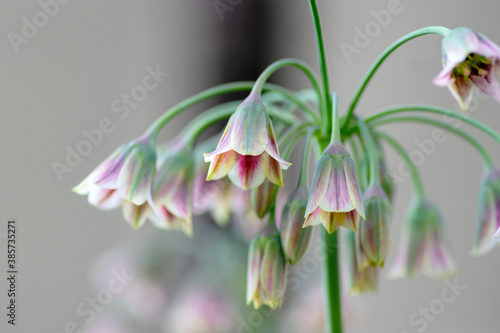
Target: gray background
{"type": "Point", "coordinates": [64, 80]}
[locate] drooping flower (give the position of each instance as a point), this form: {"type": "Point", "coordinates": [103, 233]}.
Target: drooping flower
{"type": "Point", "coordinates": [424, 247]}
{"type": "Point", "coordinates": [374, 232]}
{"type": "Point", "coordinates": [170, 197]}
{"type": "Point", "coordinates": [129, 170]}
{"type": "Point", "coordinates": [359, 280]}
{"type": "Point", "coordinates": [266, 279]}
{"type": "Point", "coordinates": [247, 151]}
{"type": "Point", "coordinates": [335, 198]}
{"type": "Point", "coordinates": [470, 59]}
{"type": "Point", "coordinates": [295, 239]}
{"type": "Point", "coordinates": [489, 213]}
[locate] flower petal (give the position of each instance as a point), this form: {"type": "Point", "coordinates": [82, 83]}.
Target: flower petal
{"type": "Point", "coordinates": [103, 198]}
{"type": "Point", "coordinates": [319, 184]}
{"type": "Point", "coordinates": [249, 171]}
{"type": "Point", "coordinates": [337, 198]}
{"type": "Point", "coordinates": [462, 90]}
{"type": "Point", "coordinates": [249, 135]}
{"type": "Point", "coordinates": [222, 164]}
{"type": "Point", "coordinates": [353, 186]}
{"type": "Point", "coordinates": [135, 215]}
{"type": "Point", "coordinates": [272, 149]}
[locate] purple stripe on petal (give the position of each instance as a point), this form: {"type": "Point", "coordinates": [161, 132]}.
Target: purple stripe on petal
{"type": "Point", "coordinates": [249, 172]}
{"type": "Point", "coordinates": [337, 198]}
{"type": "Point", "coordinates": [319, 183]}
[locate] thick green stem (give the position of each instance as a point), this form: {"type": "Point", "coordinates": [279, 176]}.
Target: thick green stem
{"type": "Point", "coordinates": [436, 110]}
{"type": "Point", "coordinates": [326, 105]}
{"type": "Point", "coordinates": [158, 125]}
{"type": "Point", "coordinates": [417, 181]}
{"type": "Point", "coordinates": [331, 283]}
{"type": "Point", "coordinates": [417, 33]}
{"type": "Point", "coordinates": [475, 143]}
{"type": "Point", "coordinates": [372, 151]}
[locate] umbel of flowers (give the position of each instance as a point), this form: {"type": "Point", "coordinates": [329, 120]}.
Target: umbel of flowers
{"type": "Point", "coordinates": [349, 189]}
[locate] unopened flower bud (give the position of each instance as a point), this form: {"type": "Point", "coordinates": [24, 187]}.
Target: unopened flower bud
{"type": "Point", "coordinates": [294, 238]}
{"type": "Point", "coordinates": [374, 232]}
{"type": "Point", "coordinates": [266, 281]}
{"type": "Point", "coordinates": [263, 198]}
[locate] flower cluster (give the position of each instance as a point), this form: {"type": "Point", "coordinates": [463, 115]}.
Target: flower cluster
{"type": "Point", "coordinates": [350, 190]}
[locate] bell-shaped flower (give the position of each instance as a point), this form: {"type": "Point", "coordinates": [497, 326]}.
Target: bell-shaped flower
{"type": "Point", "coordinates": [247, 151]}
{"type": "Point", "coordinates": [170, 196]}
{"type": "Point", "coordinates": [424, 247]}
{"type": "Point", "coordinates": [295, 239]}
{"type": "Point", "coordinates": [489, 213]}
{"type": "Point", "coordinates": [129, 170]}
{"type": "Point", "coordinates": [359, 280]}
{"type": "Point", "coordinates": [469, 59]}
{"type": "Point", "coordinates": [266, 279]}
{"type": "Point", "coordinates": [374, 232]}
{"type": "Point", "coordinates": [335, 198]}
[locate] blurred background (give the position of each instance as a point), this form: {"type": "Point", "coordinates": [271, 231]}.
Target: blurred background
{"type": "Point", "coordinates": [77, 66]}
